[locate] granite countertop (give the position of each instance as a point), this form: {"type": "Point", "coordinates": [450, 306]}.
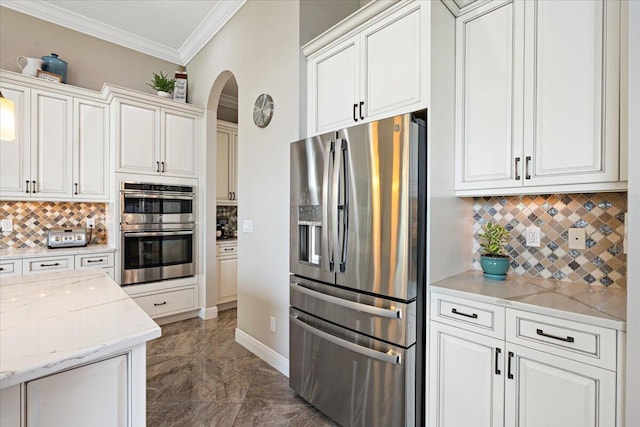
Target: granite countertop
{"type": "Point", "coordinates": [13, 253]}
{"type": "Point", "coordinates": [596, 305]}
{"type": "Point", "coordinates": [59, 320]}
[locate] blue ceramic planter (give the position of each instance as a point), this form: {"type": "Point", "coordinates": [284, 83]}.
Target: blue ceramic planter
{"type": "Point", "coordinates": [495, 268]}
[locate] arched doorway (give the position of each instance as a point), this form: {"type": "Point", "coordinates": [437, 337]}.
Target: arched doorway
{"type": "Point", "coordinates": [221, 204]}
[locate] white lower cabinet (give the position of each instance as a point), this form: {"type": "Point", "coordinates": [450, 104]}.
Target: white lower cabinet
{"type": "Point", "coordinates": [560, 374]}
{"type": "Point", "coordinates": [227, 273]}
{"type": "Point", "coordinates": [92, 395]}
{"type": "Point", "coordinates": [169, 302]}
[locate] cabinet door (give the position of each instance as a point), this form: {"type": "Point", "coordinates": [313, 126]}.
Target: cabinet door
{"type": "Point", "coordinates": [180, 133]}
{"type": "Point", "coordinates": [51, 144]}
{"type": "Point", "coordinates": [572, 85]}
{"type": "Point", "coordinates": [392, 78]}
{"type": "Point", "coordinates": [15, 156]}
{"type": "Point", "coordinates": [92, 395]}
{"type": "Point", "coordinates": [91, 150]}
{"type": "Point", "coordinates": [10, 405]}
{"type": "Point", "coordinates": [489, 55]}
{"type": "Point", "coordinates": [334, 92]}
{"type": "Point", "coordinates": [552, 391]}
{"type": "Point", "coordinates": [233, 166]}
{"type": "Point", "coordinates": [466, 380]}
{"type": "Point", "coordinates": [137, 128]}
{"type": "Point", "coordinates": [223, 150]}
{"type": "Point", "coordinates": [227, 279]}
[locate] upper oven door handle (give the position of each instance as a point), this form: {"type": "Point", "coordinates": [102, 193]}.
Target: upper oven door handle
{"type": "Point", "coordinates": [157, 233]}
{"type": "Point", "coordinates": [155, 196]}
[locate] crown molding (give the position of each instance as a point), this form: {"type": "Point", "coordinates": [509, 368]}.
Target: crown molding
{"type": "Point", "coordinates": [217, 17]}
{"type": "Point", "coordinates": [213, 22]}
{"type": "Point", "coordinates": [228, 101]}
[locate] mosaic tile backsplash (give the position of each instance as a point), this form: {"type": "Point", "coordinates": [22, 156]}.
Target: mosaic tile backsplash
{"type": "Point", "coordinates": [31, 220]}
{"type": "Point", "coordinates": [229, 213]}
{"type": "Point", "coordinates": [601, 263]}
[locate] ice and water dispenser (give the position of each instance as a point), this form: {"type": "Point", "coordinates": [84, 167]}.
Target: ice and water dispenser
{"type": "Point", "coordinates": [309, 234]}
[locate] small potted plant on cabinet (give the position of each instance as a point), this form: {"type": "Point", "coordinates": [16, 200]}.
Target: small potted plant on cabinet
{"type": "Point", "coordinates": [494, 260]}
{"type": "Point", "coordinates": [162, 84]}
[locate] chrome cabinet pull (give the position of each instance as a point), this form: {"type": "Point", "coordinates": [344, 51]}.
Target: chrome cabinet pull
{"type": "Point", "coordinates": [459, 313]}
{"type": "Point", "coordinates": [393, 313]}
{"type": "Point", "coordinates": [527, 175]}
{"type": "Point", "coordinates": [509, 358]}
{"type": "Point", "coordinates": [163, 167]}
{"type": "Point", "coordinates": [76, 191]}
{"type": "Point", "coordinates": [389, 357]}
{"type": "Point", "coordinates": [517, 166]}
{"type": "Point", "coordinates": [555, 337]}
{"type": "Point", "coordinates": [27, 187]}
{"type": "Point", "coordinates": [33, 190]}
{"type": "Point", "coordinates": [498, 351]}
{"type": "Point", "coordinates": [158, 167]}
{"type": "Point", "coordinates": [160, 303]}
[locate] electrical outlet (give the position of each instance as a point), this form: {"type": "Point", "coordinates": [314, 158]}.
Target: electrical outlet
{"type": "Point", "coordinates": [576, 238]}
{"type": "Point", "coordinates": [273, 324]}
{"type": "Point", "coordinates": [247, 226]}
{"type": "Point", "coordinates": [7, 226]}
{"type": "Point", "coordinates": [91, 222]}
{"type": "Point", "coordinates": [533, 237]}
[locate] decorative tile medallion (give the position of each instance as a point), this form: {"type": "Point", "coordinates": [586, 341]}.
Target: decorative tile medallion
{"type": "Point", "coordinates": [602, 262]}
{"type": "Point", "coordinates": [32, 220]}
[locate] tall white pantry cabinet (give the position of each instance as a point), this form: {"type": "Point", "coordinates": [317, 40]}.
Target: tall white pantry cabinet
{"type": "Point", "coordinates": [537, 96]}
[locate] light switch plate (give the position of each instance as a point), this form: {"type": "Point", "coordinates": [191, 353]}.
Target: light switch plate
{"type": "Point", "coordinates": [7, 226]}
{"type": "Point", "coordinates": [576, 238]}
{"type": "Point", "coordinates": [247, 226]}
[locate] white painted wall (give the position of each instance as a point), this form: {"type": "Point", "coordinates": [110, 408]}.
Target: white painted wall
{"type": "Point", "coordinates": [260, 45]}
{"type": "Point", "coordinates": [633, 221]}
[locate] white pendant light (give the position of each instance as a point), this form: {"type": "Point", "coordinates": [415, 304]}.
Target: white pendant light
{"type": "Point", "coordinates": [7, 119]}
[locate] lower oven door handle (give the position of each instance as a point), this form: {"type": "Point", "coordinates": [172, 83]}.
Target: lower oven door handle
{"type": "Point", "coordinates": [157, 233]}
{"type": "Point", "coordinates": [393, 313]}
{"type": "Point", "coordinates": [156, 196]}
{"type": "Point", "coordinates": [388, 357]}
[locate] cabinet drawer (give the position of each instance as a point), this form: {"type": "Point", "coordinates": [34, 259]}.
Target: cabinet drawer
{"type": "Point", "coordinates": [94, 261]}
{"type": "Point", "coordinates": [579, 341]}
{"type": "Point", "coordinates": [11, 268]}
{"type": "Point", "coordinates": [166, 303]}
{"type": "Point", "coordinates": [36, 265]}
{"type": "Point", "coordinates": [224, 250]}
{"type": "Point", "coordinates": [472, 315]}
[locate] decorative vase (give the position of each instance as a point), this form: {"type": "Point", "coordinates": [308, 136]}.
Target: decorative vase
{"type": "Point", "coordinates": [164, 94]}
{"type": "Point", "coordinates": [495, 268]}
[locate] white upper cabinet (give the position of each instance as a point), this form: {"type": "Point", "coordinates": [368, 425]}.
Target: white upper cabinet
{"type": "Point", "coordinates": [61, 149]}
{"type": "Point", "coordinates": [537, 97]}
{"type": "Point", "coordinates": [154, 138]}
{"type": "Point", "coordinates": [226, 163]}
{"type": "Point", "coordinates": [91, 149]}
{"type": "Point", "coordinates": [376, 70]}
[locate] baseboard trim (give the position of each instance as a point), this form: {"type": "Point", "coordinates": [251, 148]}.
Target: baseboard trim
{"type": "Point", "coordinates": [208, 313]}
{"type": "Point", "coordinates": [273, 358]}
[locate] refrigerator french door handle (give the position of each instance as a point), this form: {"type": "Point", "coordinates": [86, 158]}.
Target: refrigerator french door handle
{"type": "Point", "coordinates": [327, 244]}
{"type": "Point", "coordinates": [335, 200]}
{"type": "Point", "coordinates": [393, 313]}
{"type": "Point", "coordinates": [388, 357]}
{"type": "Point", "coordinates": [345, 208]}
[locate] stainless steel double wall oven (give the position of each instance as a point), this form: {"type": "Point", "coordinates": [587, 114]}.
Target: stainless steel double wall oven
{"type": "Point", "coordinates": [157, 226]}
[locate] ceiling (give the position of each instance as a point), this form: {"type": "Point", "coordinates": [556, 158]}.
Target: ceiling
{"type": "Point", "coordinates": [167, 29]}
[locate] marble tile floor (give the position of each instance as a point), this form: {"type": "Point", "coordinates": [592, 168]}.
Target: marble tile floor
{"type": "Point", "coordinates": [197, 375]}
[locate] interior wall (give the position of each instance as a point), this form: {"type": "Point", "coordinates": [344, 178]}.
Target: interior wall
{"type": "Point", "coordinates": [633, 221]}
{"type": "Point", "coordinates": [271, 66]}
{"type": "Point", "coordinates": [91, 61]}
{"type": "Point", "coordinates": [318, 16]}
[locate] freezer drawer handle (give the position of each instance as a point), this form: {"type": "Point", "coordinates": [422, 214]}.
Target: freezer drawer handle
{"type": "Point", "coordinates": [555, 337]}
{"type": "Point", "coordinates": [459, 313]}
{"type": "Point", "coordinates": [376, 311]}
{"type": "Point", "coordinates": [388, 357]}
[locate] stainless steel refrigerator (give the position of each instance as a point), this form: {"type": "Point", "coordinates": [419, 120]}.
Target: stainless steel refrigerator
{"type": "Point", "coordinates": [357, 260]}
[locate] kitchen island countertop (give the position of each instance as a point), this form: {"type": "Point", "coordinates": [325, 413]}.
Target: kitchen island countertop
{"type": "Point", "coordinates": [54, 321]}
{"type": "Point", "coordinates": [596, 305]}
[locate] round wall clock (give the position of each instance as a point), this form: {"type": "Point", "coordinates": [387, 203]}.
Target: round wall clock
{"type": "Point", "coordinates": [263, 110]}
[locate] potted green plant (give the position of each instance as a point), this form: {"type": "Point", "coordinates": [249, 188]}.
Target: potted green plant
{"type": "Point", "coordinates": [494, 260]}
{"type": "Point", "coordinates": [162, 84]}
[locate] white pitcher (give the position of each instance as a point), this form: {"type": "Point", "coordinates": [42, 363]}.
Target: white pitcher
{"type": "Point", "coordinates": [29, 66]}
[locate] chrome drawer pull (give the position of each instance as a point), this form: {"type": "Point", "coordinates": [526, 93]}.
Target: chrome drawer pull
{"type": "Point", "coordinates": [459, 313]}
{"type": "Point", "coordinates": [161, 303]}
{"type": "Point", "coordinates": [555, 337]}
